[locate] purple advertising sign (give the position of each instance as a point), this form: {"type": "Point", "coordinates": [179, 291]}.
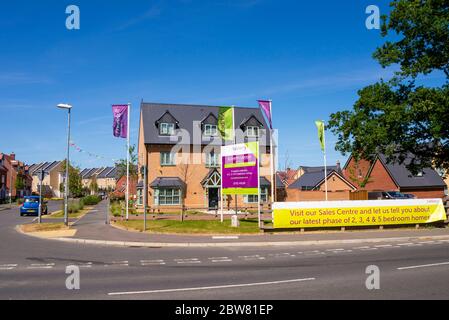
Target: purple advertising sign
{"type": "Point", "coordinates": [240, 169]}
{"type": "Point", "coordinates": [120, 124]}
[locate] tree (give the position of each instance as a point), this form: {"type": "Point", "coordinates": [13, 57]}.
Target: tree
{"type": "Point", "coordinates": [133, 167]}
{"type": "Point", "coordinates": [398, 117]}
{"type": "Point", "coordinates": [75, 182]}
{"type": "Point", "coordinates": [20, 182]}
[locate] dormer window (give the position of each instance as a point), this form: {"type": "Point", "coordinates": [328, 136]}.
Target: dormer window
{"type": "Point", "coordinates": [252, 132]}
{"type": "Point", "coordinates": [210, 130]}
{"type": "Point", "coordinates": [167, 129]}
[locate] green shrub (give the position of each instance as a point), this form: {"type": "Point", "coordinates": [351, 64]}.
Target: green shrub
{"type": "Point", "coordinates": [91, 200]}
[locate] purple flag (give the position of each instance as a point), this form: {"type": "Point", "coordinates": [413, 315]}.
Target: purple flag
{"type": "Point", "coordinates": [265, 106]}
{"type": "Point", "coordinates": [120, 125]}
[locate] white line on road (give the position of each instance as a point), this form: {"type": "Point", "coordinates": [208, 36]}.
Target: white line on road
{"type": "Point", "coordinates": [251, 258]}
{"type": "Point", "coordinates": [187, 261]}
{"type": "Point", "coordinates": [425, 266]}
{"type": "Point", "coordinates": [211, 288]}
{"type": "Point", "coordinates": [384, 246]}
{"type": "Point", "coordinates": [152, 262]}
{"type": "Point", "coordinates": [225, 238]}
{"type": "Point", "coordinates": [41, 266]}
{"type": "Point", "coordinates": [8, 266]}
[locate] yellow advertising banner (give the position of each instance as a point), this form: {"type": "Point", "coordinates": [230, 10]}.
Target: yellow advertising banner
{"type": "Point", "coordinates": [304, 215]}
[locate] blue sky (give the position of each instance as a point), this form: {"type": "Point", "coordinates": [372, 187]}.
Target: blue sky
{"type": "Point", "coordinates": [309, 57]}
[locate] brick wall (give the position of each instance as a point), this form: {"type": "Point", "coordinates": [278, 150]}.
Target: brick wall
{"type": "Point", "coordinates": [426, 194]}
{"type": "Point", "coordinates": [295, 195]}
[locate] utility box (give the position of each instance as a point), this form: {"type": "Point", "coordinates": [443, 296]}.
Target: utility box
{"type": "Point", "coordinates": [235, 222]}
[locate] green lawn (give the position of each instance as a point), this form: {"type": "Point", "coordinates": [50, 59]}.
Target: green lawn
{"type": "Point", "coordinates": [60, 214]}
{"type": "Point", "coordinates": [192, 227]}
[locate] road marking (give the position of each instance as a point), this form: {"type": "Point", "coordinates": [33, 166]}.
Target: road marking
{"type": "Point", "coordinates": [211, 288]}
{"type": "Point", "coordinates": [335, 250]}
{"type": "Point", "coordinates": [282, 255]}
{"type": "Point", "coordinates": [316, 252]}
{"type": "Point", "coordinates": [187, 261]}
{"type": "Point", "coordinates": [225, 238]}
{"type": "Point", "coordinates": [85, 265]}
{"type": "Point", "coordinates": [120, 263]}
{"type": "Point", "coordinates": [8, 266]}
{"type": "Point", "coordinates": [384, 246]}
{"type": "Point", "coordinates": [360, 248]}
{"type": "Point", "coordinates": [41, 266]}
{"type": "Point", "coordinates": [427, 242]}
{"type": "Point", "coordinates": [252, 258]}
{"type": "Point", "coordinates": [220, 259]}
{"type": "Point", "coordinates": [406, 244]}
{"type": "Point", "coordinates": [425, 266]}
{"type": "Point", "coordinates": [152, 262]}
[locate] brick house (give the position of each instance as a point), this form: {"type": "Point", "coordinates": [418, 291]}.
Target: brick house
{"type": "Point", "coordinates": [15, 170]}
{"type": "Point", "coordinates": [3, 177]}
{"type": "Point", "coordinates": [310, 186]}
{"type": "Point", "coordinates": [181, 146]}
{"type": "Point", "coordinates": [379, 175]}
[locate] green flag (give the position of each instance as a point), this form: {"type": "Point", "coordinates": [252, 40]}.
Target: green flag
{"type": "Point", "coordinates": [226, 123]}
{"type": "Point", "coordinates": [321, 127]}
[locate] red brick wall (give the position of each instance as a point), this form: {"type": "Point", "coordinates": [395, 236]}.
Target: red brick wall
{"type": "Point", "coordinates": [295, 195]}
{"type": "Point", "coordinates": [379, 178]}
{"type": "Point", "coordinates": [426, 194]}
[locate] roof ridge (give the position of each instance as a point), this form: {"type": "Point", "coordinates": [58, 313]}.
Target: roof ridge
{"type": "Point", "coordinates": [195, 105]}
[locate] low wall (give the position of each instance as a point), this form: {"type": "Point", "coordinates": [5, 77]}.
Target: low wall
{"type": "Point", "coordinates": [294, 195]}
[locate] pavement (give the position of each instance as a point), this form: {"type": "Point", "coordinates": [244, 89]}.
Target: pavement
{"type": "Point", "coordinates": [92, 229]}
{"type": "Point", "coordinates": [35, 269]}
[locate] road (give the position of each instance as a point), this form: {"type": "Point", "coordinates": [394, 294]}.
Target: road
{"type": "Point", "coordinates": [35, 269]}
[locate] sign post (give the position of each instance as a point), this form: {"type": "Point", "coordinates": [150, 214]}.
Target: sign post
{"type": "Point", "coordinates": [41, 175]}
{"type": "Point", "coordinates": [240, 171]}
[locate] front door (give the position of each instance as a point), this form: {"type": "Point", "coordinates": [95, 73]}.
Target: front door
{"type": "Point", "coordinates": [214, 197]}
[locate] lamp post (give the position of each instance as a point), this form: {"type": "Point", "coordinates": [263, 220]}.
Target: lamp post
{"type": "Point", "coordinates": [66, 187]}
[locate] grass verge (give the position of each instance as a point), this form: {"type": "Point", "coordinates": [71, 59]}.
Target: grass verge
{"type": "Point", "coordinates": [192, 227]}
{"type": "Point", "coordinates": [43, 227]}
{"type": "Point", "coordinates": [60, 214]}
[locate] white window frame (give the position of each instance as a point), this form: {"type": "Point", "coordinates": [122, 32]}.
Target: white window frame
{"type": "Point", "coordinates": [211, 130]}
{"type": "Point", "coordinates": [253, 199]}
{"type": "Point", "coordinates": [169, 161]}
{"type": "Point", "coordinates": [253, 132]}
{"type": "Point", "coordinates": [212, 160]}
{"type": "Point", "coordinates": [167, 129]}
{"type": "Point", "coordinates": [166, 194]}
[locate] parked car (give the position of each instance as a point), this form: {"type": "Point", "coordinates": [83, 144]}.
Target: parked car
{"type": "Point", "coordinates": [410, 196]}
{"type": "Point", "coordinates": [387, 195]}
{"type": "Point", "coordinates": [30, 206]}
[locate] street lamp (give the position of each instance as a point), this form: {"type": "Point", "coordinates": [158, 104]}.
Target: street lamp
{"type": "Point", "coordinates": [66, 188]}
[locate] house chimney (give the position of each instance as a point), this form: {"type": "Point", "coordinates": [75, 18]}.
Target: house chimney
{"type": "Point", "coordinates": [338, 166]}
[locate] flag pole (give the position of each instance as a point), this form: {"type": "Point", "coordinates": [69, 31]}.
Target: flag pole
{"type": "Point", "coordinates": [325, 159]}
{"type": "Point", "coordinates": [273, 179]}
{"type": "Point", "coordinates": [127, 164]}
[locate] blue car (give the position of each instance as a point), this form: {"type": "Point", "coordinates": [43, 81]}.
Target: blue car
{"type": "Point", "coordinates": [31, 206]}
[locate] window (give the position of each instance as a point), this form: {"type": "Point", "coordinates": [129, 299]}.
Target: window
{"type": "Point", "coordinates": [251, 198]}
{"type": "Point", "coordinates": [140, 197]}
{"type": "Point", "coordinates": [167, 197]}
{"type": "Point", "coordinates": [167, 129]}
{"type": "Point", "coordinates": [210, 130]}
{"type": "Point", "coordinates": [212, 160]}
{"type": "Point", "coordinates": [167, 159]}
{"type": "Point", "coordinates": [252, 132]}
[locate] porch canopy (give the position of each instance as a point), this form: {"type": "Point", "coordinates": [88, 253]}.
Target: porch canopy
{"type": "Point", "coordinates": [167, 183]}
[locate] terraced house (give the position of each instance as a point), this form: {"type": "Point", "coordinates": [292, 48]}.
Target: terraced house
{"type": "Point", "coordinates": [53, 179]}
{"type": "Point", "coordinates": [181, 145]}
{"type": "Point", "coordinates": [99, 179]}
